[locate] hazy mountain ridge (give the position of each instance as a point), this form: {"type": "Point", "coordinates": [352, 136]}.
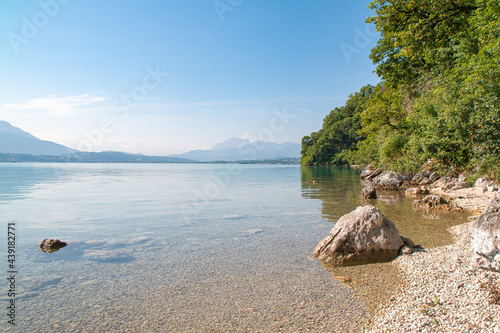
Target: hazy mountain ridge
{"type": "Point", "coordinates": [13, 140]}
{"type": "Point", "coordinates": [236, 149]}
{"type": "Point", "coordinates": [7, 128]}
{"type": "Point", "coordinates": [17, 145]}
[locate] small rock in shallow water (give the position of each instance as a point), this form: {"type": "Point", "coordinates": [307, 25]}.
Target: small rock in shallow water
{"type": "Point", "coordinates": [368, 193]}
{"type": "Point", "coordinates": [51, 245]}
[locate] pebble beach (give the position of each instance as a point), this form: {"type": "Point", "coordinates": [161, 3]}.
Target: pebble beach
{"type": "Point", "coordinates": [441, 290]}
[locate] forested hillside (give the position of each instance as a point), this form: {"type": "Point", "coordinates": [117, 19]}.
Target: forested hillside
{"type": "Point", "coordinates": [439, 63]}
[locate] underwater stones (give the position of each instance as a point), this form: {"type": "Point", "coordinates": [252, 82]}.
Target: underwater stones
{"type": "Point", "coordinates": [107, 256]}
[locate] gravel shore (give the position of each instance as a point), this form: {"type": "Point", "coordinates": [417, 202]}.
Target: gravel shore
{"type": "Point", "coordinates": [442, 292]}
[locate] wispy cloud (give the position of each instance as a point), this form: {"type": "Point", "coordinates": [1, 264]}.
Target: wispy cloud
{"type": "Point", "coordinates": [353, 76]}
{"type": "Point", "coordinates": [57, 106]}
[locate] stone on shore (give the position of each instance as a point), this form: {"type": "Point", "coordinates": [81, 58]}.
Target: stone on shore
{"type": "Point", "coordinates": [107, 256]}
{"type": "Point", "coordinates": [442, 182]}
{"type": "Point", "coordinates": [458, 185]}
{"type": "Point", "coordinates": [482, 182]}
{"type": "Point", "coordinates": [416, 191]}
{"type": "Point", "coordinates": [425, 181]}
{"type": "Point", "coordinates": [440, 286]}
{"type": "Point", "coordinates": [51, 245]}
{"type": "Point", "coordinates": [418, 178]}
{"type": "Point", "coordinates": [389, 180]}
{"type": "Point", "coordinates": [435, 202]}
{"type": "Point", "coordinates": [363, 236]}
{"type": "Point", "coordinates": [408, 246]}
{"type": "Point", "coordinates": [368, 193]}
{"type": "Point", "coordinates": [485, 237]}
{"type": "Point", "coordinates": [368, 170]}
{"type": "Point", "coordinates": [424, 177]}
{"type": "Point", "coordinates": [433, 177]}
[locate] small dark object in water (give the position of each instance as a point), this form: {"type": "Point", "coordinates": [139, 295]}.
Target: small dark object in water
{"type": "Point", "coordinates": [51, 245]}
{"type": "Point", "coordinates": [368, 193]}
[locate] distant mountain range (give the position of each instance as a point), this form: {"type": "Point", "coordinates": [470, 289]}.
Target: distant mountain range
{"type": "Point", "coordinates": [16, 141]}
{"type": "Point", "coordinates": [18, 145]}
{"type": "Point", "coordinates": [236, 149]}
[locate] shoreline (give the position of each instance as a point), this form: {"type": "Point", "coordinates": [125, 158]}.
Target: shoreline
{"type": "Point", "coordinates": [441, 290]}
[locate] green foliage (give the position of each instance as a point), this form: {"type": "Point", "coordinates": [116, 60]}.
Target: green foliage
{"type": "Point", "coordinates": [439, 97]}
{"type": "Point", "coordinates": [419, 37]}
{"type": "Point", "coordinates": [339, 133]}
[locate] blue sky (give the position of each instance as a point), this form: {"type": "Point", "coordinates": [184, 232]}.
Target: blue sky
{"type": "Point", "coordinates": [161, 77]}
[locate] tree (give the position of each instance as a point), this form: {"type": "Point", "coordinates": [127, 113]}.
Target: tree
{"type": "Point", "coordinates": [439, 97]}
{"type": "Point", "coordinates": [418, 37]}
{"type": "Point", "coordinates": [338, 134]}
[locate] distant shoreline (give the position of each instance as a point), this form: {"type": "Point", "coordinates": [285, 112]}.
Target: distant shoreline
{"type": "Point", "coordinates": [116, 157]}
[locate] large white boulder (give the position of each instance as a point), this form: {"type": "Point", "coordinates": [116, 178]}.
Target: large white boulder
{"type": "Point", "coordinates": [363, 236]}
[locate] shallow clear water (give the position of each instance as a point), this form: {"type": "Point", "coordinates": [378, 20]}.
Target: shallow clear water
{"type": "Point", "coordinates": [178, 247]}
{"type": "Point", "coordinates": [339, 188]}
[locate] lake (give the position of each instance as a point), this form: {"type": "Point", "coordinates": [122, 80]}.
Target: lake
{"type": "Point", "coordinates": [185, 247]}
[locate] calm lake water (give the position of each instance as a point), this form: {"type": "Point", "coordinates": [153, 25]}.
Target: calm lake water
{"type": "Point", "coordinates": [184, 247]}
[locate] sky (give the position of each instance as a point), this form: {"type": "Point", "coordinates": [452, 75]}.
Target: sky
{"type": "Point", "coordinates": [166, 76]}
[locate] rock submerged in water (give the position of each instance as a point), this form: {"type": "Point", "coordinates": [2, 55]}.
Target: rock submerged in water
{"type": "Point", "coordinates": [485, 237]}
{"type": "Point", "coordinates": [51, 245]}
{"type": "Point", "coordinates": [363, 236]}
{"type": "Point", "coordinates": [368, 193]}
